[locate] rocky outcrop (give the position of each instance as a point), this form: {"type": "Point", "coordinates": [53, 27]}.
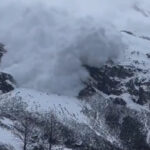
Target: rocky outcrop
{"type": "Point", "coordinates": [132, 135]}
{"type": "Point", "coordinates": [110, 90]}
{"type": "Point", "coordinates": [117, 80]}
{"type": "Point", "coordinates": [7, 83]}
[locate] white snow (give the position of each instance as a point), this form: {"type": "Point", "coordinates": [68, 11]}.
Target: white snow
{"type": "Point", "coordinates": [6, 121]}
{"type": "Point", "coordinates": [131, 104]}
{"type": "Point", "coordinates": [67, 106]}
{"type": "Point", "coordinates": [6, 137]}
{"type": "Point", "coordinates": [43, 102]}
{"type": "Point", "coordinates": [60, 148]}
{"type": "Point", "coordinates": [64, 106]}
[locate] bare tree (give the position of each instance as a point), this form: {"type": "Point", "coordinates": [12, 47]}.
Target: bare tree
{"type": "Point", "coordinates": [23, 128]}
{"type": "Point", "coordinates": [50, 128]}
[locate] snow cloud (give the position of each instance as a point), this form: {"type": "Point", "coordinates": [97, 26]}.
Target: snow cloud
{"type": "Point", "coordinates": [49, 41]}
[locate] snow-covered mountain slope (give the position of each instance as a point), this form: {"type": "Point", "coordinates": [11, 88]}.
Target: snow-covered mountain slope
{"type": "Point", "coordinates": [123, 90]}
{"type": "Point", "coordinates": [114, 101]}
{"type": "Point", "coordinates": [7, 137]}
{"type": "Point", "coordinates": [108, 70]}
{"type": "Point", "coordinates": [66, 108]}
{"type": "Point", "coordinates": [43, 102]}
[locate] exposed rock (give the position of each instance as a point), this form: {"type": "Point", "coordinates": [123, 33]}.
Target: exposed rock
{"type": "Point", "coordinates": [104, 79]}
{"type": "Point", "coordinates": [148, 55]}
{"type": "Point", "coordinates": [132, 135]}
{"type": "Point", "coordinates": [116, 80]}
{"type": "Point", "coordinates": [119, 101]}
{"type": "Point", "coordinates": [7, 83]}
{"type": "Point", "coordinates": [109, 91]}
{"type": "Point", "coordinates": [88, 91]}
{"type": "Point", "coordinates": [112, 119]}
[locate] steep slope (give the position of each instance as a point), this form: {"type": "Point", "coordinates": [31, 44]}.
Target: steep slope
{"type": "Point", "coordinates": [68, 110]}
{"type": "Point", "coordinates": [120, 98]}
{"type": "Point", "coordinates": [113, 106]}
{"type": "Point", "coordinates": [111, 112]}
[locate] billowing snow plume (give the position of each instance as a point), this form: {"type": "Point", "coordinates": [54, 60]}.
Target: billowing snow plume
{"type": "Point", "coordinates": [48, 42]}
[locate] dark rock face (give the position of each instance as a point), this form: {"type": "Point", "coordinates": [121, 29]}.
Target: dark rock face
{"type": "Point", "coordinates": [109, 91]}
{"type": "Point", "coordinates": [108, 77]}
{"type": "Point", "coordinates": [6, 83]}
{"type": "Point", "coordinates": [118, 71]}
{"type": "Point", "coordinates": [132, 136]}
{"type": "Point", "coordinates": [104, 79]}
{"type": "Point", "coordinates": [89, 90]}
{"type": "Point", "coordinates": [6, 80]}
{"type": "Point", "coordinates": [112, 119]}
{"type": "Point", "coordinates": [117, 80]}
{"type": "Point", "coordinates": [148, 55]}
{"type": "Point", "coordinates": [90, 141]}
{"type": "Point", "coordinates": [139, 89]}
{"type": "Point", "coordinates": [119, 101]}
